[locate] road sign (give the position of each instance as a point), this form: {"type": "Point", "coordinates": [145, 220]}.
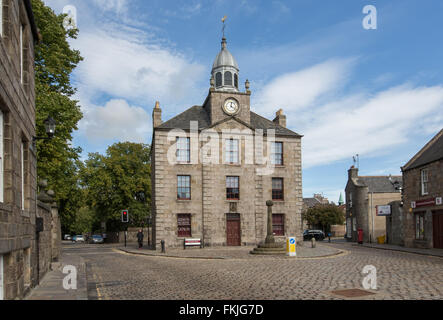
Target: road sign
{"type": "Point", "coordinates": [291, 247]}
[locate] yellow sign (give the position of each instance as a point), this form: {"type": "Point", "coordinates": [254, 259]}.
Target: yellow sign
{"type": "Point", "coordinates": [291, 247]}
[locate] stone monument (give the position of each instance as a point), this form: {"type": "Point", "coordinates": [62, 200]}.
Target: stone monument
{"type": "Point", "coordinates": [270, 247]}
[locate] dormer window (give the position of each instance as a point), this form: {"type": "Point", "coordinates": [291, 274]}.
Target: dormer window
{"type": "Point", "coordinates": [228, 78]}
{"type": "Point", "coordinates": [218, 79]}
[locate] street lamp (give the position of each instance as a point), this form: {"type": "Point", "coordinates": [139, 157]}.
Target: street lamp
{"type": "Point", "coordinates": [50, 124]}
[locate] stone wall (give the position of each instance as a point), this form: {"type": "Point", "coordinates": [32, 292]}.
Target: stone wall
{"type": "Point", "coordinates": [394, 225]}
{"type": "Point", "coordinates": [17, 104]}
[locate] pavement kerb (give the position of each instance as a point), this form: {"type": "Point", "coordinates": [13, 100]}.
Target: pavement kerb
{"type": "Point", "coordinates": [341, 252]}
{"type": "Point", "coordinates": [427, 254]}
{"type": "Point", "coordinates": [168, 256]}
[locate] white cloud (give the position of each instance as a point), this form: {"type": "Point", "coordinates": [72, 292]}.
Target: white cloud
{"type": "Point", "coordinates": [121, 64]}
{"type": "Point", "coordinates": [117, 120]}
{"type": "Point", "coordinates": [118, 6]}
{"type": "Point", "coordinates": [338, 125]}
{"type": "Point", "coordinates": [386, 120]}
{"type": "Point", "coordinates": [298, 90]}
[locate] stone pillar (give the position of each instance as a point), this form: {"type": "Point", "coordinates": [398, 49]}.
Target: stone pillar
{"type": "Point", "coordinates": [270, 235]}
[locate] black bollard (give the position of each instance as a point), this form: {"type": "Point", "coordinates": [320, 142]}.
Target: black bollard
{"type": "Point", "coordinates": [163, 246]}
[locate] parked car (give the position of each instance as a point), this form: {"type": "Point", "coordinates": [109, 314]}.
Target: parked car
{"type": "Point", "coordinates": [96, 238]}
{"type": "Point", "coordinates": [317, 234]}
{"type": "Point", "coordinates": [78, 238]}
{"type": "Point", "coordinates": [67, 237]}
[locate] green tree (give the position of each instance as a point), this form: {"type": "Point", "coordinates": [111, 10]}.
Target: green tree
{"type": "Point", "coordinates": [57, 160]}
{"type": "Point", "coordinates": [119, 180]}
{"type": "Point", "coordinates": [324, 216]}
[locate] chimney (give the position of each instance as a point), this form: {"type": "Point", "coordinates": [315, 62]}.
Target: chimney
{"type": "Point", "coordinates": [280, 118]}
{"type": "Point", "coordinates": [353, 173]}
{"type": "Point", "coordinates": [157, 115]}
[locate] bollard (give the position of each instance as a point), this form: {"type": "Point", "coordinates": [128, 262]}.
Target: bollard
{"type": "Point", "coordinates": [313, 243]}
{"type": "Point", "coordinates": [163, 246]}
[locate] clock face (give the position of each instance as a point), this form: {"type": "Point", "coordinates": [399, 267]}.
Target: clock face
{"type": "Point", "coordinates": [231, 107]}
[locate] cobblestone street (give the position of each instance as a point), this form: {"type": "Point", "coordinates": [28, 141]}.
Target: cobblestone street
{"type": "Point", "coordinates": [116, 275]}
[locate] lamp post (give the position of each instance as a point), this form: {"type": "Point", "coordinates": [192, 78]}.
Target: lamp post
{"type": "Point", "coordinates": [50, 125]}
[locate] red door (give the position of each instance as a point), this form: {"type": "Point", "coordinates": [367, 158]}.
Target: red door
{"type": "Point", "coordinates": [437, 229]}
{"type": "Point", "coordinates": [233, 230]}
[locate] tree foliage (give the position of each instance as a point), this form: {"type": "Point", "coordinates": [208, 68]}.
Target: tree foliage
{"type": "Point", "coordinates": [57, 160]}
{"type": "Point", "coordinates": [324, 216]}
{"type": "Point", "coordinates": [119, 180]}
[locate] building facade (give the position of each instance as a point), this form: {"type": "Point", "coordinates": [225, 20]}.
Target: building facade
{"type": "Point", "coordinates": [422, 197]}
{"type": "Point", "coordinates": [363, 195]}
{"type": "Point", "coordinates": [24, 255]}
{"type": "Point", "coordinates": [214, 167]}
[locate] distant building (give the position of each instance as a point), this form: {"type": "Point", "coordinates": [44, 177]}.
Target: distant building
{"type": "Point", "coordinates": [363, 195]}
{"type": "Point", "coordinates": [422, 196]}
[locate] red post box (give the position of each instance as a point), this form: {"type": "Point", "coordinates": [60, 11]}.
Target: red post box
{"type": "Point", "coordinates": [360, 235]}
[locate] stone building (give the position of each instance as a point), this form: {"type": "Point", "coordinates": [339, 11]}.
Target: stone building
{"type": "Point", "coordinates": [363, 195]}
{"type": "Point", "coordinates": [214, 167]}
{"type": "Point", "coordinates": [23, 259]}
{"type": "Point", "coordinates": [422, 196]}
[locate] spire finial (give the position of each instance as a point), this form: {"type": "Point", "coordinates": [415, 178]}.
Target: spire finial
{"type": "Point", "coordinates": [223, 20]}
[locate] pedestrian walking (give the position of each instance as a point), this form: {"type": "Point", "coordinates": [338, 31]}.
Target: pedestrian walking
{"type": "Point", "coordinates": [140, 238]}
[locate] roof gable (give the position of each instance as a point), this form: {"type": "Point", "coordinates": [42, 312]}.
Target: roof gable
{"type": "Point", "coordinates": [431, 152]}
{"type": "Point", "coordinates": [198, 113]}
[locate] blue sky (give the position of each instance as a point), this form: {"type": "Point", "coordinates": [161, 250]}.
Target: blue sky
{"type": "Point", "coordinates": [348, 90]}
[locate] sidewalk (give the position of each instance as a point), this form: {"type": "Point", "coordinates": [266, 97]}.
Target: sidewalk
{"type": "Point", "coordinates": [51, 286]}
{"type": "Point", "coordinates": [303, 252]}
{"type": "Point", "coordinates": [426, 252]}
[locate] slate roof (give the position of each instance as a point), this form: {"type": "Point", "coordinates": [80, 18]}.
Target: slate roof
{"type": "Point", "coordinates": [198, 113]}
{"type": "Point", "coordinates": [311, 202]}
{"type": "Point", "coordinates": [380, 184]}
{"type": "Point", "coordinates": [431, 152]}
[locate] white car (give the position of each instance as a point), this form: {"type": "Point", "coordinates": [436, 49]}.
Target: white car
{"type": "Point", "coordinates": [78, 238]}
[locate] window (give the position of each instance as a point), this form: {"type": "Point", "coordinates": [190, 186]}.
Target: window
{"type": "Point", "coordinates": [424, 182]}
{"type": "Point", "coordinates": [184, 225]}
{"type": "Point", "coordinates": [1, 157]}
{"type": "Point", "coordinates": [232, 151]}
{"type": "Point", "coordinates": [218, 80]}
{"type": "Point", "coordinates": [232, 188]}
{"type": "Point", "coordinates": [236, 80]}
{"type": "Point", "coordinates": [277, 189]}
{"type": "Point", "coordinates": [183, 150]}
{"type": "Point", "coordinates": [277, 153]}
{"type": "Point", "coordinates": [228, 78]}
{"type": "Point", "coordinates": [278, 224]}
{"type": "Point", "coordinates": [22, 157]}
{"type": "Point", "coordinates": [420, 226]}
{"type": "Point", "coordinates": [184, 187]}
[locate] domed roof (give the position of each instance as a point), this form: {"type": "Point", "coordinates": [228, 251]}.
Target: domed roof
{"type": "Point", "coordinates": [225, 58]}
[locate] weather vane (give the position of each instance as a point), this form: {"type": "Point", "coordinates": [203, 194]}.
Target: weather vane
{"type": "Point", "coordinates": [224, 25]}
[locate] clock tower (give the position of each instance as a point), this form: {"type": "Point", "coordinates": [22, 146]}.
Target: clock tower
{"type": "Point", "coordinates": [225, 100]}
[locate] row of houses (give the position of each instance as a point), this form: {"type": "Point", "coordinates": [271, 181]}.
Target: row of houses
{"type": "Point", "coordinates": [407, 209]}
{"type": "Point", "coordinates": [29, 224]}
